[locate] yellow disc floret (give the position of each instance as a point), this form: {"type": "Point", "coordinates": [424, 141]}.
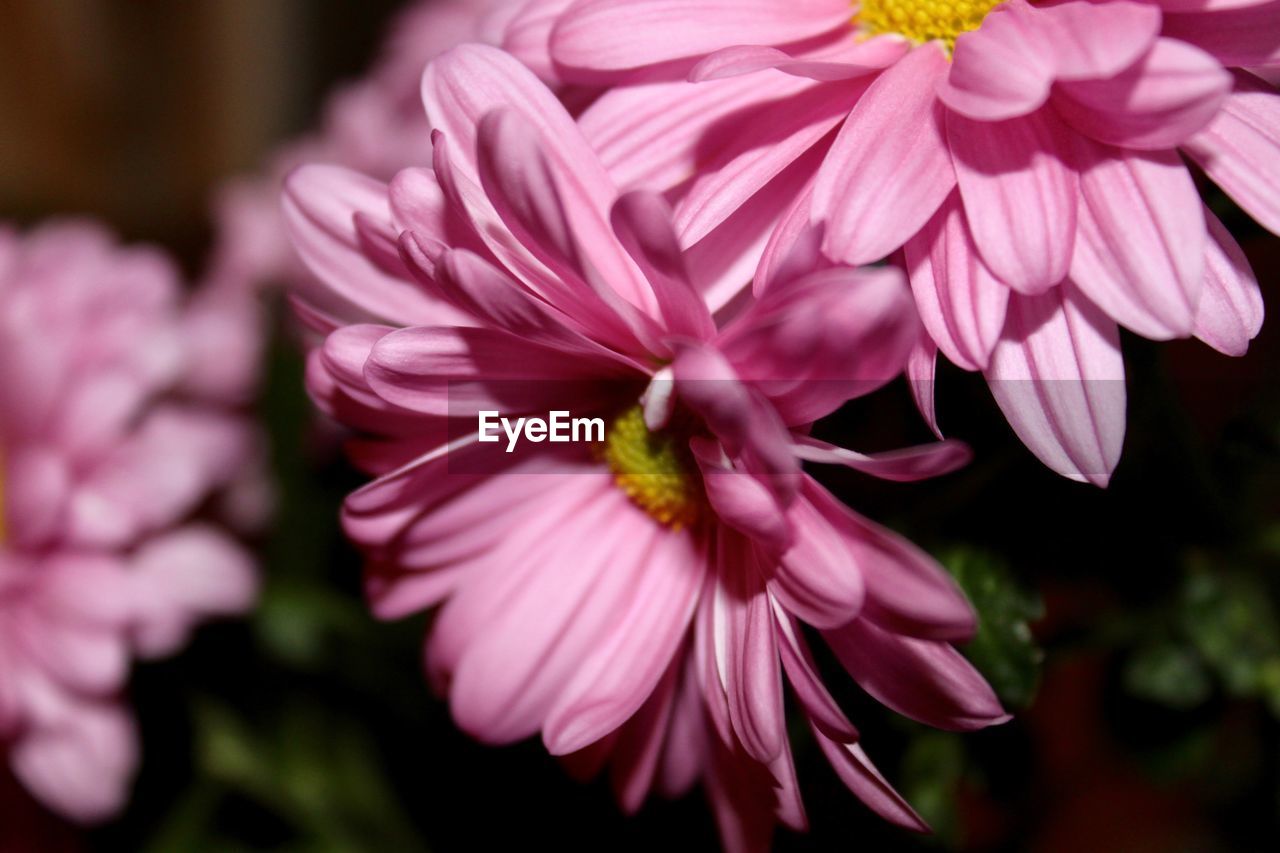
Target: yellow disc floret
{"type": "Point", "coordinates": [653, 469]}
{"type": "Point", "coordinates": [923, 20]}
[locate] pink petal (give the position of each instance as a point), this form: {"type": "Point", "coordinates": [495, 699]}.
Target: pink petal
{"type": "Point", "coordinates": [1240, 149]}
{"type": "Point", "coordinates": [922, 368]}
{"type": "Point", "coordinates": [454, 372]}
{"type": "Point", "coordinates": [638, 753]}
{"type": "Point", "coordinates": [616, 34]}
{"type": "Point", "coordinates": [961, 303]}
{"type": "Point", "coordinates": [1001, 70]}
{"type": "Point", "coordinates": [907, 591]}
{"type": "Point", "coordinates": [741, 501]}
{"type": "Point", "coordinates": [1245, 36]}
{"type": "Point", "coordinates": [1231, 310]}
{"type": "Point", "coordinates": [184, 576]}
{"type": "Point", "coordinates": [461, 87]}
{"type": "Point", "coordinates": [794, 248]}
{"type": "Point", "coordinates": [1096, 39]}
{"type": "Point", "coordinates": [527, 35]}
{"type": "Point", "coordinates": [730, 255]}
{"type": "Point", "coordinates": [817, 578]}
{"type": "Point", "coordinates": [802, 675]}
{"type": "Point", "coordinates": [925, 680]}
{"type": "Point", "coordinates": [1158, 102]}
{"type": "Point", "coordinates": [826, 338]}
{"type": "Point", "coordinates": [642, 222]}
{"type": "Point", "coordinates": [657, 135]}
{"type": "Point", "coordinates": [747, 652]}
{"type": "Point", "coordinates": [82, 767]}
{"type": "Point", "coordinates": [767, 139]}
{"type": "Point", "coordinates": [742, 421]}
{"type": "Point", "coordinates": [865, 781]}
{"type": "Point", "coordinates": [1019, 196]}
{"type": "Point", "coordinates": [904, 466]}
{"type": "Point", "coordinates": [320, 203]}
{"type": "Point", "coordinates": [848, 59]}
{"type": "Point", "coordinates": [562, 230]}
{"type": "Point", "coordinates": [1140, 250]}
{"type": "Point", "coordinates": [684, 755]}
{"type": "Point", "coordinates": [491, 297]}
{"type": "Point", "coordinates": [615, 680]}
{"type": "Point", "coordinates": [544, 622]}
{"type": "Point", "coordinates": [1059, 378]}
{"type": "Point", "coordinates": [36, 486]}
{"type": "Point", "coordinates": [1205, 5]}
{"type": "Point", "coordinates": [872, 195]}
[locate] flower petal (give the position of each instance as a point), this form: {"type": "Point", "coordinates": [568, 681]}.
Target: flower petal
{"type": "Point", "coordinates": [903, 466]}
{"type": "Point", "coordinates": [961, 303]}
{"type": "Point", "coordinates": [1240, 149]}
{"type": "Point", "coordinates": [925, 680]}
{"type": "Point", "coordinates": [1159, 101]}
{"type": "Point", "coordinates": [1242, 37]}
{"type": "Point", "coordinates": [1140, 250]}
{"type": "Point", "coordinates": [873, 195]}
{"type": "Point", "coordinates": [1002, 69]}
{"type": "Point", "coordinates": [612, 35]}
{"type": "Point", "coordinates": [1019, 196]}
{"type": "Point", "coordinates": [1230, 311]}
{"type": "Point", "coordinates": [1059, 378]}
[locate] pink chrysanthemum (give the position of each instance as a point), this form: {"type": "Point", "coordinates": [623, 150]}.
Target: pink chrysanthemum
{"type": "Point", "coordinates": [639, 601]}
{"type": "Point", "coordinates": [1028, 156]}
{"type": "Point", "coordinates": [101, 465]}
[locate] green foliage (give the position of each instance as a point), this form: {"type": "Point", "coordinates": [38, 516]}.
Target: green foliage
{"type": "Point", "coordinates": [1003, 648]}
{"type": "Point", "coordinates": [1221, 627]}
{"type": "Point", "coordinates": [931, 773]}
{"type": "Point", "coordinates": [1169, 673]}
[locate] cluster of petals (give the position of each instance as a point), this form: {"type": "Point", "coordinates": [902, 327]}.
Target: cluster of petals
{"type": "Point", "coordinates": [1032, 180]}
{"type": "Point", "coordinates": [106, 457]}
{"type": "Point", "coordinates": [512, 275]}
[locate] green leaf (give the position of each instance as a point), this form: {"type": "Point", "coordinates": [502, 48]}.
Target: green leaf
{"type": "Point", "coordinates": [1003, 648]}
{"type": "Point", "coordinates": [1230, 620]}
{"type": "Point", "coordinates": [1168, 673]}
{"type": "Point", "coordinates": [931, 773]}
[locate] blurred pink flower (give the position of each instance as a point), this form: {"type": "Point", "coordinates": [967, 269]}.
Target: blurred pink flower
{"type": "Point", "coordinates": [639, 601]}
{"type": "Point", "coordinates": [101, 468]}
{"type": "Point", "coordinates": [1027, 156]}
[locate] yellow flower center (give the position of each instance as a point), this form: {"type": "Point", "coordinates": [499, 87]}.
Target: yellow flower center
{"type": "Point", "coordinates": [653, 469]}
{"type": "Point", "coordinates": [923, 20]}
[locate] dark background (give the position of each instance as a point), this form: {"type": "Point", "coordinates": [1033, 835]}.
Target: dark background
{"type": "Point", "coordinates": [1134, 629]}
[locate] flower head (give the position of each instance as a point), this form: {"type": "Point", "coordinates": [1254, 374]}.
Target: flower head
{"type": "Point", "coordinates": [1023, 161]}
{"type": "Point", "coordinates": [102, 465]}
{"type": "Point", "coordinates": [638, 601]}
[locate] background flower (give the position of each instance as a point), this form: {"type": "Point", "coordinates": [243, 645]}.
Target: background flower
{"type": "Point", "coordinates": [103, 467]}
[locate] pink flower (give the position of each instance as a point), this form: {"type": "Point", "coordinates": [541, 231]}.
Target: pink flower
{"type": "Point", "coordinates": [638, 601]}
{"type": "Point", "coordinates": [1026, 156]}
{"type": "Point", "coordinates": [101, 468]}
